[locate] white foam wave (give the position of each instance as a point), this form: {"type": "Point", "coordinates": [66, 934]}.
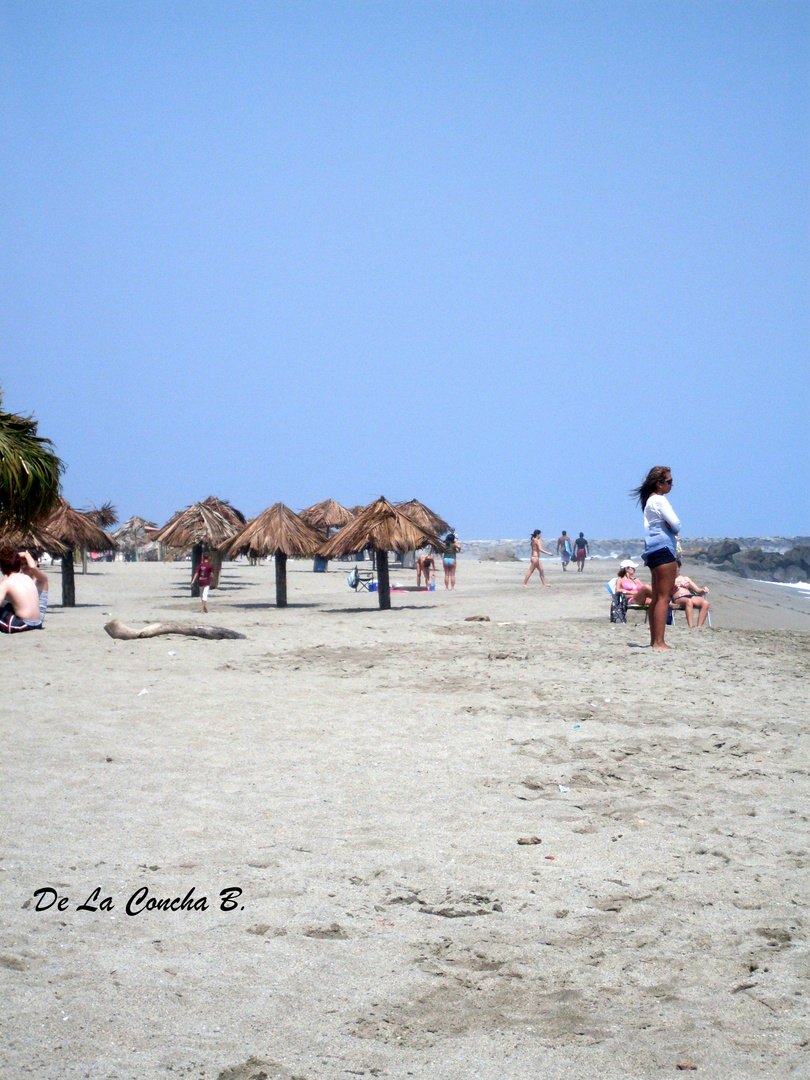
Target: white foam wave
{"type": "Point", "coordinates": [801, 586]}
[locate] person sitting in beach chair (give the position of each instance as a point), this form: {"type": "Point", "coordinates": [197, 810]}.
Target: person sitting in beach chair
{"type": "Point", "coordinates": [638, 594]}
{"type": "Point", "coordinates": [688, 596]}
{"type": "Point", "coordinates": [626, 596]}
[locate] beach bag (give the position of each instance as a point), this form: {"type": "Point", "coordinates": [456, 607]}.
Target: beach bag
{"type": "Point", "coordinates": [618, 608]}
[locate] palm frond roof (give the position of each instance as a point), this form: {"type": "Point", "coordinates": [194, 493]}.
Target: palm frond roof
{"type": "Point", "coordinates": [75, 529]}
{"type": "Point", "coordinates": [380, 525]}
{"type": "Point", "coordinates": [424, 516]}
{"type": "Point", "coordinates": [276, 531]}
{"type": "Point", "coordinates": [326, 515]}
{"type": "Point", "coordinates": [34, 538]}
{"type": "Point", "coordinates": [132, 531]}
{"type": "Point", "coordinates": [211, 522]}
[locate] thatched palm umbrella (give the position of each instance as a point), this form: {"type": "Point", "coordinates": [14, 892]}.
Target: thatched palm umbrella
{"type": "Point", "coordinates": [210, 523]}
{"type": "Point", "coordinates": [74, 529]}
{"type": "Point", "coordinates": [326, 515]}
{"type": "Point", "coordinates": [29, 472]}
{"type": "Point", "coordinates": [424, 516]}
{"type": "Point", "coordinates": [131, 535]}
{"type": "Point", "coordinates": [36, 538]}
{"type": "Point", "coordinates": [383, 528]}
{"type": "Point", "coordinates": [278, 532]}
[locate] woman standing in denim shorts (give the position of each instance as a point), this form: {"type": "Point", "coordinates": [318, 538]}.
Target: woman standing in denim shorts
{"type": "Point", "coordinates": [661, 528]}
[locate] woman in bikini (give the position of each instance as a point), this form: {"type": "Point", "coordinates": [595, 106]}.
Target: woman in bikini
{"type": "Point", "coordinates": [537, 551]}
{"type": "Point", "coordinates": [637, 592]}
{"type": "Point", "coordinates": [451, 549]}
{"type": "Point", "coordinates": [687, 595]}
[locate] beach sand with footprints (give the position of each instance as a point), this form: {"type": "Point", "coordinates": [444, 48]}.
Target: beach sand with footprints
{"type": "Point", "coordinates": [364, 778]}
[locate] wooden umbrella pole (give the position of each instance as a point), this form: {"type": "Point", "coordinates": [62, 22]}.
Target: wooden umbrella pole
{"type": "Point", "coordinates": [68, 580]}
{"type": "Point", "coordinates": [281, 579]}
{"type": "Point", "coordinates": [383, 583]}
{"type": "Point", "coordinates": [196, 559]}
{"type": "Point", "coordinates": [216, 561]}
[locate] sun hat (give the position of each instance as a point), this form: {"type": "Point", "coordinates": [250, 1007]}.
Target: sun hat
{"type": "Point", "coordinates": [627, 564]}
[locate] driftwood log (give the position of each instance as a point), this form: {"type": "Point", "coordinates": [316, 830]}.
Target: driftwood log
{"type": "Point", "coordinates": [120, 632]}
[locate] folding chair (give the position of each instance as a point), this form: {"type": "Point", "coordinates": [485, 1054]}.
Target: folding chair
{"type": "Point", "coordinates": [611, 588]}
{"type": "Point", "coordinates": [360, 580]}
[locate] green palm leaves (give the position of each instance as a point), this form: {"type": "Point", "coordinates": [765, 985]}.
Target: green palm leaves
{"type": "Point", "coordinates": [29, 472]}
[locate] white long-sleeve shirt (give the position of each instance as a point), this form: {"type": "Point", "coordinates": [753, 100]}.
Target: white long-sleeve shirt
{"type": "Point", "coordinates": [661, 525]}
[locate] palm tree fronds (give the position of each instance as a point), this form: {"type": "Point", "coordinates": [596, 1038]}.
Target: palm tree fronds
{"type": "Point", "coordinates": [29, 472]}
{"type": "Point", "coordinates": [104, 516]}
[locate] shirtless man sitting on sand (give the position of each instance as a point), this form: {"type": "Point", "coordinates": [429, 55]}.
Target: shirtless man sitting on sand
{"type": "Point", "coordinates": [19, 595]}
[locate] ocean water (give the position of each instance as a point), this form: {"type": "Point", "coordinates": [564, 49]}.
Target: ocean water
{"type": "Point", "coordinates": [802, 587]}
{"type": "Point", "coordinates": [613, 548]}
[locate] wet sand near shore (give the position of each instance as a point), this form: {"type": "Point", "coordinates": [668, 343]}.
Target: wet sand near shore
{"type": "Point", "coordinates": [364, 778]}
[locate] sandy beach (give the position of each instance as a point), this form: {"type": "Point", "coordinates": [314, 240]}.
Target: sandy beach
{"type": "Point", "coordinates": [364, 778]}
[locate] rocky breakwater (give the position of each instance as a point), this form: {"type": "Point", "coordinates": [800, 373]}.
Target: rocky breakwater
{"type": "Point", "coordinates": [792, 565]}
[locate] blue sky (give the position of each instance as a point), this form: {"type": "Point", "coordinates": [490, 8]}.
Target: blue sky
{"type": "Point", "coordinates": [502, 257]}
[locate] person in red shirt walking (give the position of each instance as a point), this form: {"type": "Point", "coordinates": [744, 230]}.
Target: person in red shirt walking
{"type": "Point", "coordinates": [204, 574]}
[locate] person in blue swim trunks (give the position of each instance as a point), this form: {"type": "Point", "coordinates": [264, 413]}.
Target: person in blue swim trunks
{"type": "Point", "coordinates": [564, 549]}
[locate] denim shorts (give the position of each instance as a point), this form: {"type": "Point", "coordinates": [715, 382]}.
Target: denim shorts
{"type": "Point", "coordinates": [659, 557]}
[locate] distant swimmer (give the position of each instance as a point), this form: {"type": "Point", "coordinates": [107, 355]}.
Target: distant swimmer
{"type": "Point", "coordinates": [581, 550]}
{"type": "Point", "coordinates": [424, 565]}
{"type": "Point", "coordinates": [564, 549]}
{"type": "Point", "coordinates": [537, 551]}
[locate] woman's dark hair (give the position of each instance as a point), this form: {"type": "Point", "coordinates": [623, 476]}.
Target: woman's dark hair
{"type": "Point", "coordinates": [450, 538]}
{"type": "Point", "coordinates": [536, 533]}
{"type": "Point", "coordinates": [622, 572]}
{"type": "Point", "coordinates": [653, 479]}
{"type": "Point", "coordinates": [10, 560]}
